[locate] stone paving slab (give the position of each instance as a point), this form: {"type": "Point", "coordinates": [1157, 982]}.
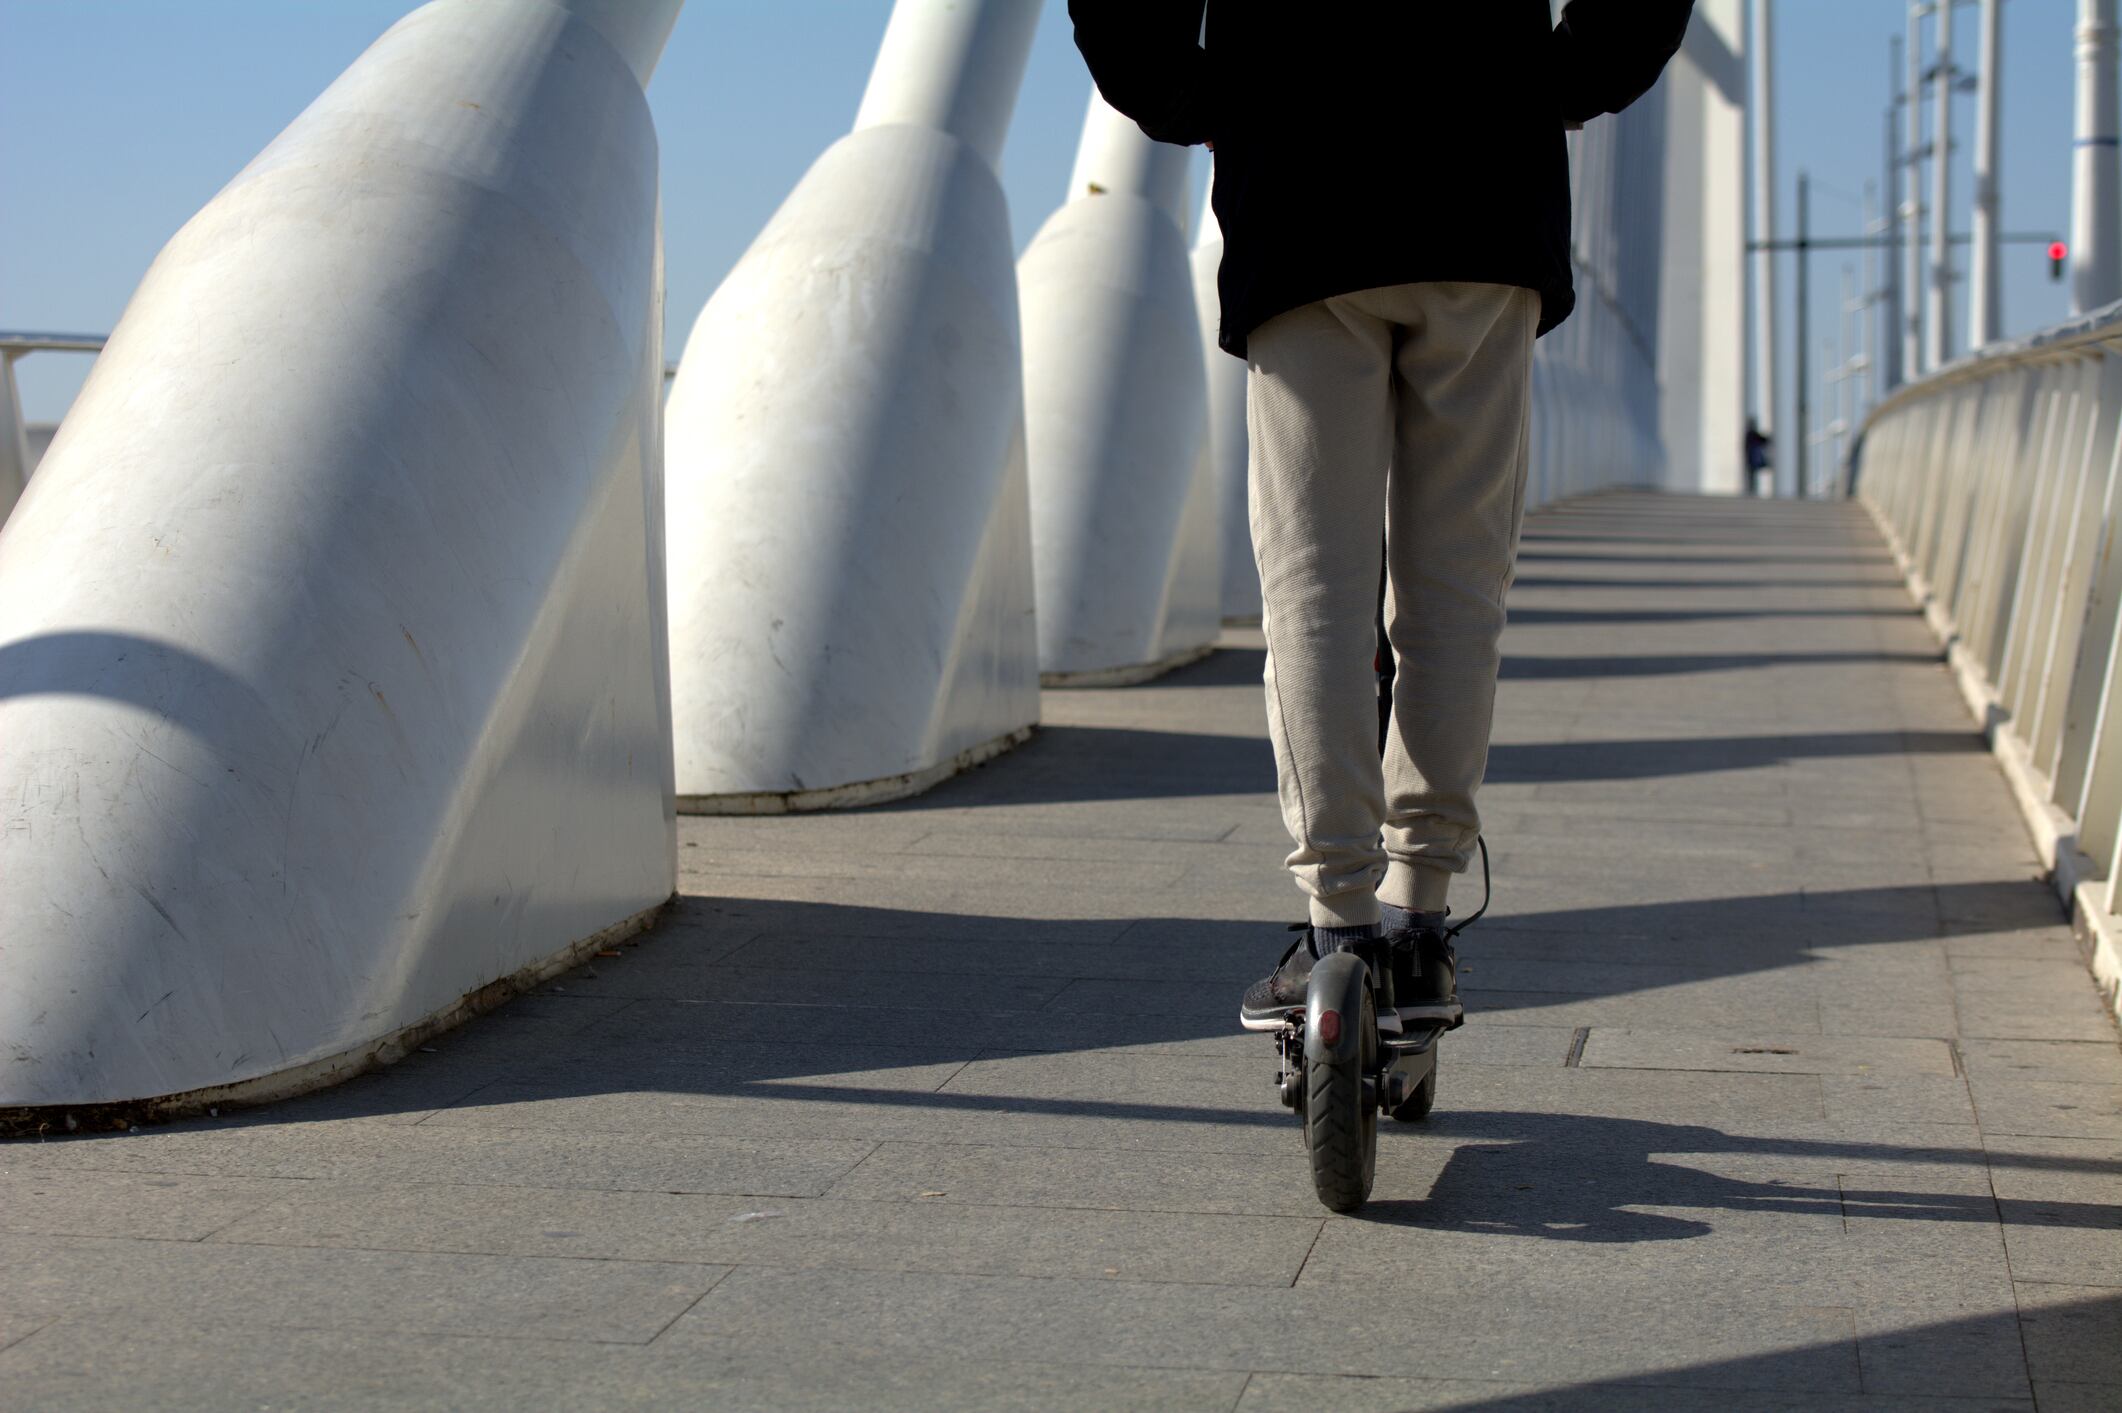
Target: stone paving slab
{"type": "Point", "coordinates": [921, 1234]}
{"type": "Point", "coordinates": [650, 1161]}
{"type": "Point", "coordinates": [2073, 1333]}
{"type": "Point", "coordinates": [2055, 1198]}
{"type": "Point", "coordinates": [1765, 1054]}
{"type": "Point", "coordinates": [2059, 1397]}
{"type": "Point", "coordinates": [781, 1120]}
{"type": "Point", "coordinates": [1233, 1327]}
{"type": "Point", "coordinates": [1783, 1085]}
{"type": "Point", "coordinates": [2060, 1110]}
{"type": "Point", "coordinates": [15, 1328]}
{"type": "Point", "coordinates": [1306, 1393]}
{"type": "Point", "coordinates": [309, 1288]}
{"type": "Point", "coordinates": [1052, 1177]}
{"type": "Point", "coordinates": [73, 1365]}
{"type": "Point", "coordinates": [146, 1207]}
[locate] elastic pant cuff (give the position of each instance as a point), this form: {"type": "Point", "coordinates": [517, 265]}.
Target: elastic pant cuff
{"type": "Point", "coordinates": [1413, 887]}
{"type": "Point", "coordinates": [1357, 909]}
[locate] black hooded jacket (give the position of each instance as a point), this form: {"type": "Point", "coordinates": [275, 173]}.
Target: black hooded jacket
{"type": "Point", "coordinates": [1366, 143]}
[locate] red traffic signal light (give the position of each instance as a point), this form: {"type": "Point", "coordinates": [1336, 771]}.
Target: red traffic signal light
{"type": "Point", "coordinates": [2057, 251]}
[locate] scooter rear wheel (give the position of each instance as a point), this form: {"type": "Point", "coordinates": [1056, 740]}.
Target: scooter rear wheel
{"type": "Point", "coordinates": [1417, 1105]}
{"type": "Point", "coordinates": [1340, 1054]}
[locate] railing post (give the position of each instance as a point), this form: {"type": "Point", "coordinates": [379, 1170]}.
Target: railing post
{"type": "Point", "coordinates": [14, 442]}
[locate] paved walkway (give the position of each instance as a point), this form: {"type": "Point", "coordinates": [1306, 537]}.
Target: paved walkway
{"type": "Point", "coordinates": [1785, 1086]}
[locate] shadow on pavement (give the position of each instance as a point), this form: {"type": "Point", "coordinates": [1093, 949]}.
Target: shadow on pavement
{"type": "Point", "coordinates": [736, 1012]}
{"type": "Point", "coordinates": [1137, 765]}
{"type": "Point", "coordinates": [1693, 583]}
{"type": "Point", "coordinates": [1517, 764]}
{"type": "Point", "coordinates": [1520, 668]}
{"type": "Point", "coordinates": [1568, 1177]}
{"type": "Point", "coordinates": [1954, 1355]}
{"type": "Point", "coordinates": [1578, 617]}
{"type": "Point", "coordinates": [1831, 558]}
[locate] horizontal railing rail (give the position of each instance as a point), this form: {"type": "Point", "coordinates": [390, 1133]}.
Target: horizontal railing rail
{"type": "Point", "coordinates": [15, 345]}
{"type": "Point", "coordinates": [1996, 479]}
{"type": "Point", "coordinates": [20, 444]}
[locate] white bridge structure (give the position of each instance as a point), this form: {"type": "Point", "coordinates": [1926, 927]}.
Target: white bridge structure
{"type": "Point", "coordinates": [352, 668]}
{"type": "Point", "coordinates": [1995, 480]}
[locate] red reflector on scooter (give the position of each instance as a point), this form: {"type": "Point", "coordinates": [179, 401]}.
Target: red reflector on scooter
{"type": "Point", "coordinates": [1329, 1027]}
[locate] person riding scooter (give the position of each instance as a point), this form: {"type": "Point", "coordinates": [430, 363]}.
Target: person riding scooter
{"type": "Point", "coordinates": [1392, 181]}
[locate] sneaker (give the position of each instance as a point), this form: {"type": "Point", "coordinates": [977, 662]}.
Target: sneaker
{"type": "Point", "coordinates": [1269, 1001]}
{"type": "Point", "coordinates": [1425, 977]}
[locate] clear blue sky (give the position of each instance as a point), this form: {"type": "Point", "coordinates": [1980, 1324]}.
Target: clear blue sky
{"type": "Point", "coordinates": [119, 118]}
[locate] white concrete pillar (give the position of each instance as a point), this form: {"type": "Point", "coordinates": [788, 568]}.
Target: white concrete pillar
{"type": "Point", "coordinates": [1985, 290]}
{"type": "Point", "coordinates": [1228, 445]}
{"type": "Point", "coordinates": [1761, 111]}
{"type": "Point", "coordinates": [1116, 417]}
{"type": "Point", "coordinates": [850, 565]}
{"type": "Point", "coordinates": [332, 693]}
{"type": "Point", "coordinates": [2096, 180]}
{"type": "Point", "coordinates": [637, 30]}
{"type": "Point", "coordinates": [950, 67]}
{"type": "Point", "coordinates": [1113, 157]}
{"type": "Point", "coordinates": [1700, 365]}
{"type": "Point", "coordinates": [1938, 316]}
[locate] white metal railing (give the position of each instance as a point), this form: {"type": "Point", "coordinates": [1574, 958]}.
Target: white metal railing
{"type": "Point", "coordinates": [16, 461]}
{"type": "Point", "coordinates": [15, 345]}
{"type": "Point", "coordinates": [1997, 480]}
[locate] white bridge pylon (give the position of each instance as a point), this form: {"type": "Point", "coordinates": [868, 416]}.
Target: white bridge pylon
{"type": "Point", "coordinates": [1125, 517]}
{"type": "Point", "coordinates": [336, 697]}
{"type": "Point", "coordinates": [851, 595]}
{"type": "Point", "coordinates": [332, 697]}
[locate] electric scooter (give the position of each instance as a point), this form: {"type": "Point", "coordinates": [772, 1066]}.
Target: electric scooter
{"type": "Point", "coordinates": [1345, 1056]}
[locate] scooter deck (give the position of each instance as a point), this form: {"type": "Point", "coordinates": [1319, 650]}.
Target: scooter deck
{"type": "Point", "coordinates": [1272, 1021]}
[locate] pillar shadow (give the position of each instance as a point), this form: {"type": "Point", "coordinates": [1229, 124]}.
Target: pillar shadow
{"type": "Point", "coordinates": [1580, 617]}
{"type": "Point", "coordinates": [1076, 764]}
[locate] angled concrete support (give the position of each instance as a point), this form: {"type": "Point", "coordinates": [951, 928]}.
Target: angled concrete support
{"type": "Point", "coordinates": [1228, 445]}
{"type": "Point", "coordinates": [1123, 524]}
{"type": "Point", "coordinates": [332, 700]}
{"type": "Point", "coordinates": [851, 598]}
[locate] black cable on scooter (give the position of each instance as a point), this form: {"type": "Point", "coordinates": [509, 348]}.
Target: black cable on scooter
{"type": "Point", "coordinates": [1451, 932]}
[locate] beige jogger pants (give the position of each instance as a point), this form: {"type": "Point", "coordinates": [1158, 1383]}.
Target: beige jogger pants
{"type": "Point", "coordinates": [1405, 409]}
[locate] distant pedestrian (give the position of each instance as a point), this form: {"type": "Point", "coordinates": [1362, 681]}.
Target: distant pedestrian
{"type": "Point", "coordinates": [1392, 181]}
{"type": "Point", "coordinates": [1758, 446]}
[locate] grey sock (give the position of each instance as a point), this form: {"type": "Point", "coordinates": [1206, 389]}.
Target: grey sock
{"type": "Point", "coordinates": [1394, 919]}
{"type": "Point", "coordinates": [1331, 938]}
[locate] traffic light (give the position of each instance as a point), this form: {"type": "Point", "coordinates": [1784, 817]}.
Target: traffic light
{"type": "Point", "coordinates": [2057, 250]}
